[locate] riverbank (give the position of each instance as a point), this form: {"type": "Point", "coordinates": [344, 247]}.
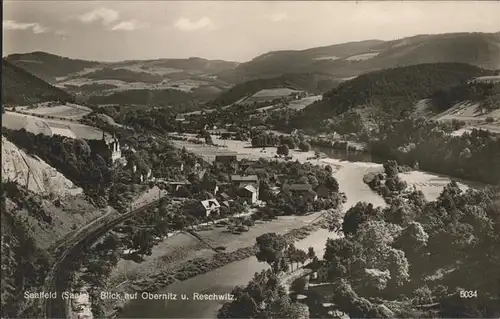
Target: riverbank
{"type": "Point", "coordinates": [224, 279]}
{"type": "Point", "coordinates": [181, 271]}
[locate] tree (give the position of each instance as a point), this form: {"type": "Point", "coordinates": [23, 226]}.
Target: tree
{"type": "Point", "coordinates": [304, 146]}
{"type": "Point", "coordinates": [310, 253]}
{"type": "Point", "coordinates": [283, 150]}
{"type": "Point", "coordinates": [358, 214]}
{"type": "Point", "coordinates": [263, 297]}
{"type": "Point", "coordinates": [271, 249]}
{"type": "Point", "coordinates": [332, 184]}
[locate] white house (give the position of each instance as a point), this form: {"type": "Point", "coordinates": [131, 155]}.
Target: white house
{"type": "Point", "coordinates": [210, 206]}
{"type": "Point", "coordinates": [249, 192]}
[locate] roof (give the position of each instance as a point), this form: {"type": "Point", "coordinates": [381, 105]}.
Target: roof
{"type": "Point", "coordinates": [225, 196]}
{"type": "Point", "coordinates": [175, 183]}
{"type": "Point", "coordinates": [226, 155]}
{"type": "Point", "coordinates": [298, 187]}
{"type": "Point", "coordinates": [250, 188]}
{"type": "Point", "coordinates": [210, 203]}
{"type": "Point", "coordinates": [240, 178]}
{"type": "Point", "coordinates": [180, 117]}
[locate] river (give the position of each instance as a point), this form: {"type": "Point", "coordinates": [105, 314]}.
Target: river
{"type": "Point", "coordinates": [350, 177]}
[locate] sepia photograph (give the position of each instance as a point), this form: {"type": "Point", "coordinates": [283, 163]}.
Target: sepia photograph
{"type": "Point", "coordinates": [250, 159]}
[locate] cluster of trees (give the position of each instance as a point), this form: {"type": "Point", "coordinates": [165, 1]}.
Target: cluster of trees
{"type": "Point", "coordinates": [419, 255]}
{"type": "Point", "coordinates": [24, 264]}
{"type": "Point", "coordinates": [486, 94]}
{"type": "Point", "coordinates": [269, 139]}
{"type": "Point", "coordinates": [72, 157]}
{"type": "Point", "coordinates": [284, 142]}
{"type": "Point", "coordinates": [472, 156]}
{"type": "Point", "coordinates": [388, 184]}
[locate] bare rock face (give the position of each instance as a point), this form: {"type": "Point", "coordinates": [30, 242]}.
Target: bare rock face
{"type": "Point", "coordinates": [34, 173]}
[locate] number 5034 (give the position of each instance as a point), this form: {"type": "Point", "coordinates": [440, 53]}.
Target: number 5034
{"type": "Point", "coordinates": [468, 293]}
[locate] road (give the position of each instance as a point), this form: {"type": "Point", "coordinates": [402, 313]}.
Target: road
{"type": "Point", "coordinates": [86, 236]}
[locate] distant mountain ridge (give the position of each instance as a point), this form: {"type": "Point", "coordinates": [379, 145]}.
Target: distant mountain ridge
{"type": "Point", "coordinates": [50, 67]}
{"type": "Point", "coordinates": [354, 58]}
{"type": "Point", "coordinates": [20, 87]}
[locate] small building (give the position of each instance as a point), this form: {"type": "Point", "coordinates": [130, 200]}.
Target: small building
{"type": "Point", "coordinates": [237, 179]}
{"type": "Point", "coordinates": [225, 197]}
{"type": "Point", "coordinates": [180, 118]}
{"type": "Point", "coordinates": [173, 187]}
{"type": "Point", "coordinates": [226, 158]}
{"type": "Point", "coordinates": [249, 193]}
{"type": "Point", "coordinates": [210, 206]}
{"type": "Point", "coordinates": [303, 190]}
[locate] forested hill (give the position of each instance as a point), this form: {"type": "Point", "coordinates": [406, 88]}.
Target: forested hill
{"type": "Point", "coordinates": [392, 90]}
{"type": "Point", "coordinates": [22, 88]}
{"type": "Point", "coordinates": [49, 66]}
{"type": "Point", "coordinates": [313, 83]}
{"type": "Point", "coordinates": [350, 59]}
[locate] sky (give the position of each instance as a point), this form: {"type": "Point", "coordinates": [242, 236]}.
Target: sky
{"type": "Point", "coordinates": [226, 30]}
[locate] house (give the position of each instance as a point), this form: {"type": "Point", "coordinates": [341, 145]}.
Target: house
{"type": "Point", "coordinates": [226, 158]}
{"type": "Point", "coordinates": [249, 193]}
{"type": "Point", "coordinates": [237, 179]}
{"type": "Point", "coordinates": [180, 118]}
{"type": "Point", "coordinates": [108, 147]}
{"type": "Point", "coordinates": [210, 206]}
{"type": "Point", "coordinates": [173, 187]}
{"type": "Point", "coordinates": [225, 197]}
{"type": "Point", "coordinates": [303, 190]}
{"type": "Point", "coordinates": [322, 191]}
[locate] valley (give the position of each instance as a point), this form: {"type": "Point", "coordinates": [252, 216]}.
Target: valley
{"type": "Point", "coordinates": [369, 166]}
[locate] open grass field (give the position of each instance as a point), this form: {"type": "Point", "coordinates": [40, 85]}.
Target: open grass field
{"type": "Point", "coordinates": [268, 95]}
{"type": "Point", "coordinates": [69, 111]}
{"type": "Point", "coordinates": [302, 103]}
{"type": "Point", "coordinates": [328, 58]}
{"type": "Point", "coordinates": [472, 116]}
{"type": "Point", "coordinates": [362, 57]}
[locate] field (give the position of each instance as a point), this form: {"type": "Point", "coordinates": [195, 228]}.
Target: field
{"type": "Point", "coordinates": [36, 125]}
{"type": "Point", "coordinates": [472, 116]}
{"type": "Point", "coordinates": [362, 57]}
{"type": "Point", "coordinates": [329, 58]}
{"type": "Point", "coordinates": [269, 95]}
{"type": "Point", "coordinates": [69, 111]}
{"type": "Point", "coordinates": [302, 103]}
{"type": "Point", "coordinates": [487, 79]}
{"type": "Point", "coordinates": [294, 104]}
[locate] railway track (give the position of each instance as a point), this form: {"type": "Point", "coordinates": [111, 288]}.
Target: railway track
{"type": "Point", "coordinates": [84, 237]}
